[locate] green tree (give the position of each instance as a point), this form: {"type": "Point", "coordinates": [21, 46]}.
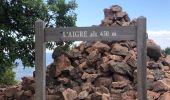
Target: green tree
{"type": "Point", "coordinates": [167, 51]}
{"type": "Point", "coordinates": [17, 18]}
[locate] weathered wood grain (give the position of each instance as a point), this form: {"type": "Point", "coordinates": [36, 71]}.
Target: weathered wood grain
{"type": "Point", "coordinates": [141, 58]}
{"type": "Point", "coordinates": [40, 69]}
{"type": "Point", "coordinates": [122, 33]}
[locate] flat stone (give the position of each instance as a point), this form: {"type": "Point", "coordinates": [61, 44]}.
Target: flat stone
{"type": "Point", "coordinates": [87, 86]}
{"type": "Point", "coordinates": [102, 90]}
{"type": "Point", "coordinates": [126, 24]}
{"type": "Point", "coordinates": [83, 94]}
{"type": "Point", "coordinates": [69, 94]}
{"type": "Point", "coordinates": [83, 65]}
{"type": "Point", "coordinates": [96, 96]}
{"type": "Point", "coordinates": [167, 74]}
{"type": "Point", "coordinates": [119, 84]}
{"type": "Point", "coordinates": [100, 45]}
{"type": "Point", "coordinates": [120, 68]}
{"type": "Point", "coordinates": [127, 19]}
{"type": "Point", "coordinates": [158, 74]}
{"type": "Point", "coordinates": [107, 22]}
{"type": "Point", "coordinates": [167, 60]}
{"type": "Point", "coordinates": [129, 95]}
{"type": "Point", "coordinates": [117, 91]}
{"type": "Point", "coordinates": [119, 77]}
{"type": "Point", "coordinates": [93, 56]}
{"type": "Point", "coordinates": [10, 92]}
{"type": "Point", "coordinates": [115, 57]}
{"type": "Point", "coordinates": [89, 77]}
{"type": "Point", "coordinates": [107, 12]}
{"type": "Point", "coordinates": [166, 68]}
{"type": "Point", "coordinates": [153, 65]}
{"type": "Point", "coordinates": [165, 96]}
{"type": "Point", "coordinates": [63, 80]}
{"type": "Point", "coordinates": [59, 65]}
{"type": "Point", "coordinates": [89, 49]}
{"type": "Point", "coordinates": [121, 14]}
{"type": "Point", "coordinates": [117, 49]}
{"type": "Point", "coordinates": [104, 67]}
{"type": "Point", "coordinates": [28, 80]}
{"type": "Point", "coordinates": [52, 97]}
{"type": "Point", "coordinates": [28, 93]}
{"type": "Point", "coordinates": [82, 46]}
{"type": "Point", "coordinates": [119, 87]}
{"type": "Point", "coordinates": [116, 8]}
{"type": "Point", "coordinates": [103, 81]}
{"type": "Point", "coordinates": [106, 97]}
{"type": "Point", "coordinates": [116, 96]}
{"type": "Point", "coordinates": [161, 85]}
{"type": "Point", "coordinates": [132, 62]}
{"type": "Point", "coordinates": [76, 53]}
{"type": "Point", "coordinates": [152, 95]}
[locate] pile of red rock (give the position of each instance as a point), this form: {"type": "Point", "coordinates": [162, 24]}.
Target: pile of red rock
{"type": "Point", "coordinates": [107, 71]}
{"type": "Point", "coordinates": [100, 70]}
{"type": "Point", "coordinates": [23, 91]}
{"type": "Point", "coordinates": [114, 16]}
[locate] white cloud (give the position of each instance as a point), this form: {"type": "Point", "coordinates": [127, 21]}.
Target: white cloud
{"type": "Point", "coordinates": [161, 37]}
{"type": "Point", "coordinates": [159, 34]}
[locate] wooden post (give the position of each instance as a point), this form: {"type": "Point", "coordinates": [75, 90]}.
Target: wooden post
{"type": "Point", "coordinates": [40, 69]}
{"type": "Point", "coordinates": [141, 58]}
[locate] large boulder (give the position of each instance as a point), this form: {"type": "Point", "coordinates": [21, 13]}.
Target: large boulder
{"type": "Point", "coordinates": [153, 50]}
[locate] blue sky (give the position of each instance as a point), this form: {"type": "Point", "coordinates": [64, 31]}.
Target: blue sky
{"type": "Point", "coordinates": [157, 12]}
{"type": "Point", "coordinates": [90, 12]}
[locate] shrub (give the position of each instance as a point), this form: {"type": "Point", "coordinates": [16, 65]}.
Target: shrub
{"type": "Point", "coordinates": [8, 77]}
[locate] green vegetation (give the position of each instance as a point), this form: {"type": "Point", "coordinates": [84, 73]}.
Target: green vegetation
{"type": "Point", "coordinates": [167, 51]}
{"type": "Point", "coordinates": [17, 18]}
{"type": "Point", "coordinates": [8, 77]}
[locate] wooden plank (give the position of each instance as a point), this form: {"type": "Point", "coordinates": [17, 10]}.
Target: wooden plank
{"type": "Point", "coordinates": [141, 58]}
{"type": "Point", "coordinates": [40, 69]}
{"type": "Point", "coordinates": [90, 33]}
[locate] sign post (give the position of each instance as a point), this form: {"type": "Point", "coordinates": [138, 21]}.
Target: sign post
{"type": "Point", "coordinates": [40, 68]}
{"type": "Point", "coordinates": [141, 58]}
{"type": "Point", "coordinates": [136, 33]}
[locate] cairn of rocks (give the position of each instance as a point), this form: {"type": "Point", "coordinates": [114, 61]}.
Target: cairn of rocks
{"type": "Point", "coordinates": [115, 16]}
{"type": "Point", "coordinates": [107, 71]}
{"type": "Point", "coordinates": [100, 70]}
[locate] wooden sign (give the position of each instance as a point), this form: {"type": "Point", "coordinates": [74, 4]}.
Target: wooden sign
{"type": "Point", "coordinates": [136, 33]}
{"type": "Point", "coordinates": [90, 33]}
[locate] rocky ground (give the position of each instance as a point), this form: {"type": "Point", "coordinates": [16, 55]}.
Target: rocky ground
{"type": "Point", "coordinates": [100, 70]}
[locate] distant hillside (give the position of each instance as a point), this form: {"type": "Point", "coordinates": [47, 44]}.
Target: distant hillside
{"type": "Point", "coordinates": [21, 71]}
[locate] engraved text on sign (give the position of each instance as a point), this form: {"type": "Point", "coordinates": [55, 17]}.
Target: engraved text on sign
{"type": "Point", "coordinates": [87, 34]}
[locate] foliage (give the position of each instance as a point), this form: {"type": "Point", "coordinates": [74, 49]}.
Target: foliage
{"type": "Point", "coordinates": [17, 19]}
{"type": "Point", "coordinates": [8, 77]}
{"type": "Point", "coordinates": [167, 51]}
